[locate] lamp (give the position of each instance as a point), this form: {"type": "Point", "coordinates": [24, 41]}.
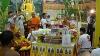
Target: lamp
{"type": "Point", "coordinates": [92, 11]}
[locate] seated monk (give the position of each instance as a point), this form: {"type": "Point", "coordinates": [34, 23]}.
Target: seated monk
{"type": "Point", "coordinates": [35, 22]}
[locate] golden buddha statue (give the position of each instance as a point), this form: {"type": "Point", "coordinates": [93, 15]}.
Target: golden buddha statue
{"type": "Point", "coordinates": [28, 7]}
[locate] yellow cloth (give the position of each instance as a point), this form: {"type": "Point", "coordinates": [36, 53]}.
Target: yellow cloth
{"type": "Point", "coordinates": [22, 38]}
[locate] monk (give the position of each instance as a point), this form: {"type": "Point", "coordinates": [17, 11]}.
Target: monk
{"type": "Point", "coordinates": [35, 22]}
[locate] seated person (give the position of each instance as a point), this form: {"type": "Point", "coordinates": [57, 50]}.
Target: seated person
{"type": "Point", "coordinates": [6, 39]}
{"type": "Point", "coordinates": [35, 21]}
{"type": "Point", "coordinates": [96, 52]}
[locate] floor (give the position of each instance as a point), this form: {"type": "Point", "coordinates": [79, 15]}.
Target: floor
{"type": "Point", "coordinates": [85, 54]}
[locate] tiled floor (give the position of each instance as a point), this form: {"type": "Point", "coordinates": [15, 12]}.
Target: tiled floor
{"type": "Point", "coordinates": [85, 53]}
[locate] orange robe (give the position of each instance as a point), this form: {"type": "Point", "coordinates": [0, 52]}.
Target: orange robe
{"type": "Point", "coordinates": [35, 23]}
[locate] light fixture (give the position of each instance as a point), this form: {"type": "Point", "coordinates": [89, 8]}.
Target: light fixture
{"type": "Point", "coordinates": [92, 11]}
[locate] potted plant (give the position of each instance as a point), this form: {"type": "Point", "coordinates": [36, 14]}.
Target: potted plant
{"type": "Point", "coordinates": [3, 13]}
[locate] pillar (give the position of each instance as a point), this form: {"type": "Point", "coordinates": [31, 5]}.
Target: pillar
{"type": "Point", "coordinates": [97, 27]}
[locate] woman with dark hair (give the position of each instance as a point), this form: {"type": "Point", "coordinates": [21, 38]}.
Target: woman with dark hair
{"type": "Point", "coordinates": [6, 41]}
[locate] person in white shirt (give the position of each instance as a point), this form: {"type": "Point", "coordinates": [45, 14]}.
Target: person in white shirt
{"type": "Point", "coordinates": [84, 41]}
{"type": "Point", "coordinates": [95, 52]}
{"type": "Point", "coordinates": [20, 23]}
{"type": "Point", "coordinates": [44, 20]}
{"type": "Point", "coordinates": [11, 20]}
{"type": "Point", "coordinates": [88, 19]}
{"type": "Point", "coordinates": [32, 37]}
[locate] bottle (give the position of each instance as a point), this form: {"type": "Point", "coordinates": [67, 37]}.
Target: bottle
{"type": "Point", "coordinates": [61, 52]}
{"type": "Point", "coordinates": [57, 52]}
{"type": "Point", "coordinates": [52, 52]}
{"type": "Point", "coordinates": [36, 51]}
{"type": "Point", "coordinates": [66, 52]}
{"type": "Point", "coordinates": [69, 52]}
{"type": "Point", "coordinates": [48, 52]}
{"type": "Point", "coordinates": [66, 38]}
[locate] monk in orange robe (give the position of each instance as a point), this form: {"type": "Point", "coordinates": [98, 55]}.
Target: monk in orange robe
{"type": "Point", "coordinates": [35, 22]}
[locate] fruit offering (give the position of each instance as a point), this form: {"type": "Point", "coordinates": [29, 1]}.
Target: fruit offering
{"type": "Point", "coordinates": [21, 42]}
